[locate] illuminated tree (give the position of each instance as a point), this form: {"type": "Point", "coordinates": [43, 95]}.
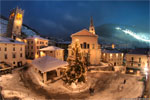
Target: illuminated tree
{"type": "Point", "coordinates": [76, 70]}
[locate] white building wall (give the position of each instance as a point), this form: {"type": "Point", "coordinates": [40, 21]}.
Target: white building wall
{"type": "Point", "coordinates": [19, 50]}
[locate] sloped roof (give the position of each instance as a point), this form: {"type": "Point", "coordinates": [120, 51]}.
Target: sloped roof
{"type": "Point", "coordinates": [9, 40]}
{"type": "Point", "coordinates": [111, 51]}
{"type": "Point", "coordinates": [36, 36]}
{"type": "Point", "coordinates": [50, 48]}
{"type": "Point", "coordinates": [83, 32]}
{"type": "Point", "coordinates": [142, 51]}
{"type": "Point", "coordinates": [48, 63]}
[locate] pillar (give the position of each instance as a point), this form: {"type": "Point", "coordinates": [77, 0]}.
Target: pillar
{"type": "Point", "coordinates": [58, 72]}
{"type": "Point", "coordinates": [45, 76]}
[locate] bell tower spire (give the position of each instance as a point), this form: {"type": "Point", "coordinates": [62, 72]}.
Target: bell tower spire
{"type": "Point", "coordinates": [91, 28]}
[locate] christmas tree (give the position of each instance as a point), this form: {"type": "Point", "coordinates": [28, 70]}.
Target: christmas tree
{"type": "Point", "coordinates": [76, 71]}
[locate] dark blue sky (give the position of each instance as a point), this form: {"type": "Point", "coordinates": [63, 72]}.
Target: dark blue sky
{"type": "Point", "coordinates": [61, 18]}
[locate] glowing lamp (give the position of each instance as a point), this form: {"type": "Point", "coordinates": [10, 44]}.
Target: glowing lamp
{"type": "Point", "coordinates": [36, 56]}
{"type": "Point", "coordinates": [42, 54]}
{"type": "Point", "coordinates": [35, 39]}
{"type": "Point", "coordinates": [117, 55]}
{"type": "Point", "coordinates": [77, 40]}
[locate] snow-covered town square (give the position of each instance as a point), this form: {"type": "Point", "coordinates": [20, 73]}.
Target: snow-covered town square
{"type": "Point", "coordinates": [74, 50]}
{"type": "Point", "coordinates": [24, 84]}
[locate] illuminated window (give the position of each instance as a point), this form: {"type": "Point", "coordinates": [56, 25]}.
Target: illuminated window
{"type": "Point", "coordinates": [110, 56]}
{"type": "Point", "coordinates": [19, 16]}
{"type": "Point", "coordinates": [104, 54]}
{"type": "Point", "coordinates": [12, 15]}
{"type": "Point", "coordinates": [117, 55]}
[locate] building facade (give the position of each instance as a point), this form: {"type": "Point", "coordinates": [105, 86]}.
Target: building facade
{"type": "Point", "coordinates": [88, 41]}
{"type": "Point", "coordinates": [12, 52]}
{"type": "Point", "coordinates": [33, 44]}
{"type": "Point", "coordinates": [138, 60]}
{"type": "Point", "coordinates": [53, 52]}
{"type": "Point", "coordinates": [49, 68]}
{"type": "Point", "coordinates": [15, 23]}
{"type": "Point", "coordinates": [113, 57]}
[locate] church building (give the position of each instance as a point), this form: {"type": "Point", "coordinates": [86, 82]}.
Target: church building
{"type": "Point", "coordinates": [88, 41]}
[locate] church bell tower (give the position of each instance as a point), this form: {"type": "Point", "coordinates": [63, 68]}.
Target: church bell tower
{"type": "Point", "coordinates": [91, 28]}
{"type": "Point", "coordinates": [15, 23]}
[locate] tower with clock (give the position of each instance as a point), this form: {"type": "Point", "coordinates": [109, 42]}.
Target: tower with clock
{"type": "Point", "coordinates": [15, 23]}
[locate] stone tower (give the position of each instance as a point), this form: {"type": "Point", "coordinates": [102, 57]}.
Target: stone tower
{"type": "Point", "coordinates": [91, 28]}
{"type": "Point", "coordinates": [15, 23]}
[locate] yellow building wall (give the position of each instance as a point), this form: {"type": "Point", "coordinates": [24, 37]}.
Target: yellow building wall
{"type": "Point", "coordinates": [37, 44]}
{"type": "Point", "coordinates": [94, 47]}
{"type": "Point", "coordinates": [10, 52]}
{"type": "Point", "coordinates": [59, 54]}
{"type": "Point", "coordinates": [113, 58]}
{"type": "Point", "coordinates": [136, 57]}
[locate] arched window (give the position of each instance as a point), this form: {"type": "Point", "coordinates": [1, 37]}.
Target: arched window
{"type": "Point", "coordinates": [84, 45]}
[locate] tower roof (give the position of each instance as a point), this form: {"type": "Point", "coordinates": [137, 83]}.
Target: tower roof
{"type": "Point", "coordinates": [91, 22]}
{"type": "Point", "coordinates": [83, 32]}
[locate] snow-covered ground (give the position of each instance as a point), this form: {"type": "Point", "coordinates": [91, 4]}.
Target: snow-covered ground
{"type": "Point", "coordinates": [108, 86]}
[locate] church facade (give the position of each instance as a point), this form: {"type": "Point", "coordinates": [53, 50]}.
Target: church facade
{"type": "Point", "coordinates": [88, 41]}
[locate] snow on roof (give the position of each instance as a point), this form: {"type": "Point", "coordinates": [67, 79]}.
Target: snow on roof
{"type": "Point", "coordinates": [48, 63]}
{"type": "Point", "coordinates": [111, 51]}
{"type": "Point", "coordinates": [9, 40]}
{"type": "Point", "coordinates": [141, 51]}
{"type": "Point", "coordinates": [83, 32]}
{"type": "Point", "coordinates": [64, 42]}
{"type": "Point", "coordinates": [36, 36]}
{"type": "Point", "coordinates": [50, 48]}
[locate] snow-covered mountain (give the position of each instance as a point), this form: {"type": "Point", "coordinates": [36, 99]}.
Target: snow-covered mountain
{"type": "Point", "coordinates": [123, 35]}
{"type": "Point", "coordinates": [25, 29]}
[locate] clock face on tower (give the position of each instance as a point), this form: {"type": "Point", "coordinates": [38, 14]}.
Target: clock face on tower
{"type": "Point", "coordinates": [19, 16]}
{"type": "Point", "coordinates": [12, 15]}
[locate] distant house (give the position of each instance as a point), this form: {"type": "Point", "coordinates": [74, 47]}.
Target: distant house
{"type": "Point", "coordinates": [12, 52]}
{"type": "Point", "coordinates": [137, 59]}
{"type": "Point", "coordinates": [64, 45]}
{"type": "Point", "coordinates": [113, 57]}
{"type": "Point", "coordinates": [52, 51]}
{"type": "Point", "coordinates": [33, 44]}
{"type": "Point", "coordinates": [49, 68]}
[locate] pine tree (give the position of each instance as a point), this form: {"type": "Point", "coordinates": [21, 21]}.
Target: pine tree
{"type": "Point", "coordinates": [76, 71]}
